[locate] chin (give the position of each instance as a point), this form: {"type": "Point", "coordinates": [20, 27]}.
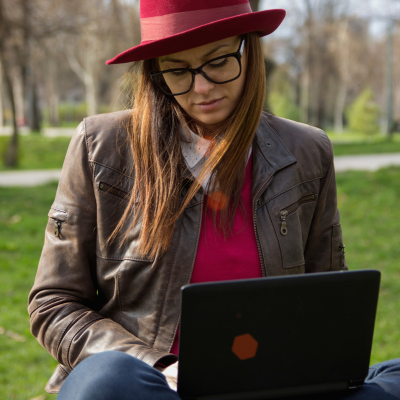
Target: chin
{"type": "Point", "coordinates": [212, 118]}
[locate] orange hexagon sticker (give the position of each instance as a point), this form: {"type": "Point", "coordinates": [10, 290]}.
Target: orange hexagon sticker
{"type": "Point", "coordinates": [245, 346]}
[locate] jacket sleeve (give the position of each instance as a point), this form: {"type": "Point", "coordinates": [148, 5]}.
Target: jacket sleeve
{"type": "Point", "coordinates": [324, 249]}
{"type": "Point", "coordinates": [63, 300]}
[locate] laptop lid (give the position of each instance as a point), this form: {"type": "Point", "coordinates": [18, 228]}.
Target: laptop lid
{"type": "Point", "coordinates": [276, 337]}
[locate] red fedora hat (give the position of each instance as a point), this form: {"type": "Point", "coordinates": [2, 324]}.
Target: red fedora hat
{"type": "Point", "coordinates": [170, 26]}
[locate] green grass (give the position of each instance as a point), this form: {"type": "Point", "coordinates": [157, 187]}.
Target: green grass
{"type": "Point", "coordinates": [369, 209]}
{"type": "Point", "coordinates": [351, 136]}
{"type": "Point", "coordinates": [25, 366]}
{"type": "Point", "coordinates": [381, 146]}
{"type": "Point", "coordinates": [37, 152]}
{"type": "Point", "coordinates": [351, 143]}
{"type": "Point", "coordinates": [368, 202]}
{"type": "Point", "coordinates": [63, 124]}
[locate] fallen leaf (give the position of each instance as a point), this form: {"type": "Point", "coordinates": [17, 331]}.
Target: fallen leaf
{"type": "Point", "coordinates": [15, 219]}
{"type": "Point", "coordinates": [2, 330]}
{"type": "Point", "coordinates": [39, 398]}
{"type": "Point", "coordinates": [15, 336]}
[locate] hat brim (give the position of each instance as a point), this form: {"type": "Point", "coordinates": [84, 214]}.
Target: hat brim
{"type": "Point", "coordinates": [263, 22]}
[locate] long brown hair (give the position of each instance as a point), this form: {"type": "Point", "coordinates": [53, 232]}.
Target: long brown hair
{"type": "Point", "coordinates": [153, 132]}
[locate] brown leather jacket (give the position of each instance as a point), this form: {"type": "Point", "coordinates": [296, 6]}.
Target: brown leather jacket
{"type": "Point", "coordinates": [89, 298]}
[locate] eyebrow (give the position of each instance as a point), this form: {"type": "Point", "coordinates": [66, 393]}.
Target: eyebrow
{"type": "Point", "coordinates": [204, 56]}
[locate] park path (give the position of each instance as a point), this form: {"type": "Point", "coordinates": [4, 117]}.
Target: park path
{"type": "Point", "coordinates": [366, 162]}
{"type": "Point", "coordinates": [29, 177]}
{"type": "Point", "coordinates": [48, 132]}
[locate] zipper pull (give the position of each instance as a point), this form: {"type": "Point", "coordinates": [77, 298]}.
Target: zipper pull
{"type": "Point", "coordinates": [57, 228]}
{"type": "Point", "coordinates": [341, 250]}
{"type": "Point", "coordinates": [283, 225]}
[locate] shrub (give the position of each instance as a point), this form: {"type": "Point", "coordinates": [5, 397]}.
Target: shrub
{"type": "Point", "coordinates": [282, 106]}
{"type": "Point", "coordinates": [363, 114]}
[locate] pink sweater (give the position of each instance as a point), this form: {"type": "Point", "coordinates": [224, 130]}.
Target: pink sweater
{"type": "Point", "coordinates": [235, 258]}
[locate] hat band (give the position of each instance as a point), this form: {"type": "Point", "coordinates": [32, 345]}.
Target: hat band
{"type": "Point", "coordinates": [156, 28]}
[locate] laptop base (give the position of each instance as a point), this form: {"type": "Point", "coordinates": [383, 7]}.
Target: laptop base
{"type": "Point", "coordinates": [279, 393]}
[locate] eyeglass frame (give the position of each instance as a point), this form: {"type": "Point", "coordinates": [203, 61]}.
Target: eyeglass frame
{"type": "Point", "coordinates": [237, 54]}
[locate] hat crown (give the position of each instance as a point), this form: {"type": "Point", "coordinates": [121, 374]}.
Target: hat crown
{"type": "Point", "coordinates": [156, 8]}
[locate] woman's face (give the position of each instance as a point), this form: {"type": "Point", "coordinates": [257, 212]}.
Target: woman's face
{"type": "Point", "coordinates": [223, 97]}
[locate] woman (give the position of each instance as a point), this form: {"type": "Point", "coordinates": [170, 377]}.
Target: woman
{"type": "Point", "coordinates": [190, 185]}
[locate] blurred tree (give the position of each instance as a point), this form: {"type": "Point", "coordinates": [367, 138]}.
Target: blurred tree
{"type": "Point", "coordinates": [101, 37]}
{"type": "Point", "coordinates": [351, 51]}
{"type": "Point", "coordinates": [330, 56]}
{"type": "Point", "coordinates": [53, 91]}
{"type": "Point", "coordinates": [254, 4]}
{"type": "Point", "coordinates": [363, 114]}
{"type": "Point", "coordinates": [6, 31]}
{"type": "Point", "coordinates": [83, 53]}
{"type": "Point", "coordinates": [24, 25]}
{"type": "Point", "coordinates": [284, 107]}
{"type": "Point", "coordinates": [269, 62]}
{"type": "Point", "coordinates": [342, 53]}
{"type": "Point", "coordinates": [1, 98]}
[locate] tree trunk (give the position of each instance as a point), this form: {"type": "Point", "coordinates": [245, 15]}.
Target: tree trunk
{"type": "Point", "coordinates": [389, 80]}
{"type": "Point", "coordinates": [11, 159]}
{"type": "Point", "coordinates": [269, 69]}
{"type": "Point", "coordinates": [1, 98]}
{"type": "Point", "coordinates": [305, 78]}
{"type": "Point", "coordinates": [35, 110]}
{"type": "Point", "coordinates": [344, 78]}
{"type": "Point", "coordinates": [254, 4]}
{"type": "Point", "coordinates": [87, 77]}
{"type": "Point", "coordinates": [18, 94]}
{"type": "Point", "coordinates": [305, 83]}
{"type": "Point", "coordinates": [339, 106]}
{"type": "Point", "coordinates": [90, 93]}
{"type": "Point", "coordinates": [53, 94]}
{"type": "Point", "coordinates": [314, 101]}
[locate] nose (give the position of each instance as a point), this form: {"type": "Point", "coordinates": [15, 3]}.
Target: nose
{"type": "Point", "coordinates": [202, 85]}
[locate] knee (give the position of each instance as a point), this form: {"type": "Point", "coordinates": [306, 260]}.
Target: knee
{"type": "Point", "coordinates": [103, 375]}
{"type": "Point", "coordinates": [108, 360]}
{"type": "Point", "coordinates": [386, 367]}
{"type": "Point", "coordinates": [113, 366]}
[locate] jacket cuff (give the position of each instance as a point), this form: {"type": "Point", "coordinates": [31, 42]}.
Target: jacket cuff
{"type": "Point", "coordinates": [151, 356]}
{"type": "Point", "coordinates": [166, 361]}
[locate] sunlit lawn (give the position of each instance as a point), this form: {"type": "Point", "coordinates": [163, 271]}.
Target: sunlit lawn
{"type": "Point", "coordinates": [349, 136]}
{"type": "Point", "coordinates": [24, 365]}
{"type": "Point", "coordinates": [39, 152]}
{"type": "Point", "coordinates": [370, 214]}
{"type": "Point", "coordinates": [369, 211]}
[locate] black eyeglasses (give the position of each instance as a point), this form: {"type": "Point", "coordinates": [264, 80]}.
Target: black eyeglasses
{"type": "Point", "coordinates": [223, 69]}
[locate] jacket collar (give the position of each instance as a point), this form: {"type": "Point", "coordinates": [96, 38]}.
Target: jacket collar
{"type": "Point", "coordinates": [269, 156]}
{"type": "Point", "coordinates": [193, 147]}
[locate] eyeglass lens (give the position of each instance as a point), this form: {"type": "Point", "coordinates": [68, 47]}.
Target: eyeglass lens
{"type": "Point", "coordinates": [221, 70]}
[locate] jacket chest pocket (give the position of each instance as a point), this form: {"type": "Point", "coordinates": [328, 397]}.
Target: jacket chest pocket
{"type": "Point", "coordinates": [293, 208]}
{"type": "Point", "coordinates": [292, 214]}
{"type": "Point", "coordinates": [113, 191]}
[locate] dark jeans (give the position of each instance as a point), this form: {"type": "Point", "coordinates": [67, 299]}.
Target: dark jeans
{"type": "Point", "coordinates": [114, 375]}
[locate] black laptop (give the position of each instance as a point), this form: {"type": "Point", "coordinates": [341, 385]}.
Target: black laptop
{"type": "Point", "coordinates": [276, 337]}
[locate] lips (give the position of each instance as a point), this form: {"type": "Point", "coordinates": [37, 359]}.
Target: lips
{"type": "Point", "coordinates": [206, 103]}
{"type": "Point", "coordinates": [209, 106]}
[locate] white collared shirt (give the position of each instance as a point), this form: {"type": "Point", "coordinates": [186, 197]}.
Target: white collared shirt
{"type": "Point", "coordinates": [194, 150]}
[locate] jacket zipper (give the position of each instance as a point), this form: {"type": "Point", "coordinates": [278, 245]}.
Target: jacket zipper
{"type": "Point", "coordinates": [255, 226]}
{"type": "Point", "coordinates": [191, 269]}
{"type": "Point", "coordinates": [106, 188]}
{"type": "Point", "coordinates": [57, 227]}
{"type": "Point", "coordinates": [342, 252]}
{"type": "Point", "coordinates": [292, 208]}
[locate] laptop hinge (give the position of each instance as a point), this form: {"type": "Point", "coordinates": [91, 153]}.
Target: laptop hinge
{"type": "Point", "coordinates": [278, 393]}
{"type": "Point", "coordinates": [356, 383]}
